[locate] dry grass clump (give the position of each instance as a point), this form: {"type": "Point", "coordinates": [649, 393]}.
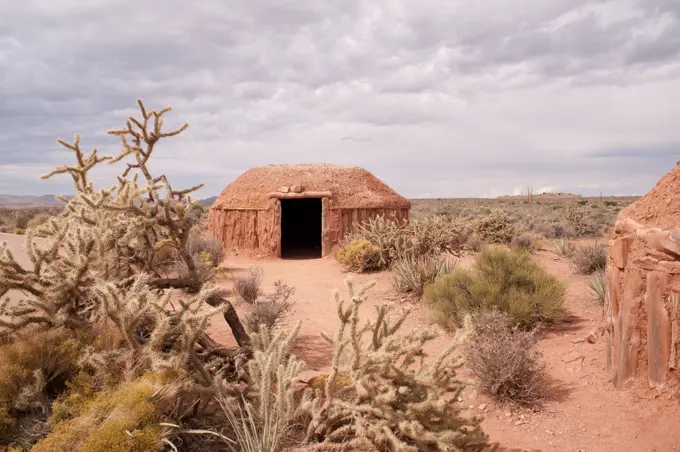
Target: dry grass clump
{"type": "Point", "coordinates": [598, 286]}
{"type": "Point", "coordinates": [505, 361]}
{"type": "Point", "coordinates": [507, 280]}
{"type": "Point", "coordinates": [378, 243]}
{"type": "Point", "coordinates": [588, 259]}
{"type": "Point", "coordinates": [497, 226]}
{"type": "Point", "coordinates": [359, 256]}
{"type": "Point", "coordinates": [411, 274]}
{"type": "Point", "coordinates": [249, 287]}
{"type": "Point", "coordinates": [272, 310]}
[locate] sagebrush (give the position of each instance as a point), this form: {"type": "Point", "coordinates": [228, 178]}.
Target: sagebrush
{"type": "Point", "coordinates": [505, 361]}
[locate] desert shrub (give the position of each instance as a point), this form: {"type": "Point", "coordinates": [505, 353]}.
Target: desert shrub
{"type": "Point", "coordinates": [474, 243]}
{"type": "Point", "coordinates": [389, 399]}
{"type": "Point", "coordinates": [524, 241]}
{"type": "Point", "coordinates": [505, 361]}
{"type": "Point", "coordinates": [588, 259]}
{"type": "Point", "coordinates": [508, 280]}
{"type": "Point", "coordinates": [33, 367]}
{"type": "Point", "coordinates": [206, 246]}
{"type": "Point", "coordinates": [249, 287]}
{"type": "Point", "coordinates": [563, 247]}
{"type": "Point", "coordinates": [19, 231]}
{"type": "Point", "coordinates": [495, 227]}
{"type": "Point", "coordinates": [272, 310]}
{"type": "Point", "coordinates": [579, 223]}
{"type": "Point", "coordinates": [392, 241]}
{"type": "Point", "coordinates": [598, 285]}
{"type": "Point", "coordinates": [412, 274]}
{"type": "Point", "coordinates": [610, 203]}
{"type": "Point", "coordinates": [582, 202]}
{"type": "Point", "coordinates": [553, 229]}
{"type": "Point", "coordinates": [38, 220]}
{"type": "Point", "coordinates": [21, 217]}
{"type": "Point", "coordinates": [359, 256]}
{"type": "Point", "coordinates": [122, 419]}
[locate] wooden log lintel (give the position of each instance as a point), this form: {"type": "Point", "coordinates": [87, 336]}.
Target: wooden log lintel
{"type": "Point", "coordinates": [306, 194]}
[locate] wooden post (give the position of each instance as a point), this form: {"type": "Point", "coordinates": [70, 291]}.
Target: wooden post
{"type": "Point", "coordinates": [276, 226]}
{"type": "Point", "coordinates": [325, 235]}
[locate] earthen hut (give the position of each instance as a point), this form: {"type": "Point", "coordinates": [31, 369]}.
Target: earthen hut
{"type": "Point", "coordinates": [641, 312]}
{"type": "Point", "coordinates": [300, 210]}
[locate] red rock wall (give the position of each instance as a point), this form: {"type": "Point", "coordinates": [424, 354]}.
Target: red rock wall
{"type": "Point", "coordinates": [641, 307]}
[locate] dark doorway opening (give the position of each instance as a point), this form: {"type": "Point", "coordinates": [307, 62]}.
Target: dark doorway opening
{"type": "Point", "coordinates": [301, 228]}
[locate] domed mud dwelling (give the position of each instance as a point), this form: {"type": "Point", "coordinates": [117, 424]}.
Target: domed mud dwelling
{"type": "Point", "coordinates": [300, 210]}
{"type": "Point", "coordinates": [643, 286]}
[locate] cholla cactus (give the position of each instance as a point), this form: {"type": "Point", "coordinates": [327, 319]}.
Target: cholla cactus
{"type": "Point", "coordinates": [381, 391]}
{"type": "Point", "coordinates": [96, 259]}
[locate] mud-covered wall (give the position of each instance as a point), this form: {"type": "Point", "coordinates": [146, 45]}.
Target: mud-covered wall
{"type": "Point", "coordinates": [259, 231]}
{"type": "Point", "coordinates": [641, 308]}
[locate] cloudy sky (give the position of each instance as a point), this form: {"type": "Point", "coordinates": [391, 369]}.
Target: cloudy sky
{"type": "Point", "coordinates": [436, 97]}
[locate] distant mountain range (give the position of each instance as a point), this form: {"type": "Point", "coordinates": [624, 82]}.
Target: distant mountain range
{"type": "Point", "coordinates": [51, 200]}
{"type": "Point", "coordinates": [29, 200]}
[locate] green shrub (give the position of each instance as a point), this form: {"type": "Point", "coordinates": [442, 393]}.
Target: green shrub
{"type": "Point", "coordinates": [360, 256]}
{"type": "Point", "coordinates": [412, 274]}
{"type": "Point", "coordinates": [505, 361]}
{"type": "Point", "coordinates": [610, 203]}
{"type": "Point", "coordinates": [496, 227]}
{"type": "Point", "coordinates": [508, 280]}
{"type": "Point", "coordinates": [589, 258]}
{"type": "Point", "coordinates": [598, 285]}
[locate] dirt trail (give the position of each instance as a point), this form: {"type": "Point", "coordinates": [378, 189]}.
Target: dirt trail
{"type": "Point", "coordinates": [585, 414]}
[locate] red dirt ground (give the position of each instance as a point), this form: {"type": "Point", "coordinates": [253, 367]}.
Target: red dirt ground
{"type": "Point", "coordinates": [586, 413]}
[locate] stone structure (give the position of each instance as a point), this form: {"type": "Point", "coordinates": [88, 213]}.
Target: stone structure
{"type": "Point", "coordinates": [643, 286]}
{"type": "Point", "coordinates": [250, 213]}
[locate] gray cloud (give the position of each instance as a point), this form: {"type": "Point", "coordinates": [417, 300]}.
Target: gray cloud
{"type": "Point", "coordinates": [446, 98]}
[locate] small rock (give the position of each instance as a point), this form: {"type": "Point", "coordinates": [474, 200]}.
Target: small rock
{"type": "Point", "coordinates": [284, 189]}
{"type": "Point", "coordinates": [482, 406]}
{"type": "Point", "coordinates": [520, 422]}
{"type": "Point", "coordinates": [508, 414]}
{"type": "Point", "coordinates": [471, 407]}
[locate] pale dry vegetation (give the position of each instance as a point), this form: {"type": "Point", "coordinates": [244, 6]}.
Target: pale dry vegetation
{"type": "Point", "coordinates": [505, 362]}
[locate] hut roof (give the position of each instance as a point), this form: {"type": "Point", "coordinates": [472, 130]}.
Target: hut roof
{"type": "Point", "coordinates": [350, 187]}
{"type": "Point", "coordinates": [660, 207]}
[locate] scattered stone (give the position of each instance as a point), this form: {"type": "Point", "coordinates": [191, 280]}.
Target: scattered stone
{"type": "Point", "coordinates": [519, 422]}
{"type": "Point", "coordinates": [482, 406]}
{"type": "Point", "coordinates": [297, 189]}
{"type": "Point", "coordinates": [284, 189]}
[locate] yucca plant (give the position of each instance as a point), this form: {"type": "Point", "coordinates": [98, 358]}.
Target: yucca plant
{"type": "Point", "coordinates": [563, 247]}
{"type": "Point", "coordinates": [598, 285]}
{"type": "Point", "coordinates": [412, 273]}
